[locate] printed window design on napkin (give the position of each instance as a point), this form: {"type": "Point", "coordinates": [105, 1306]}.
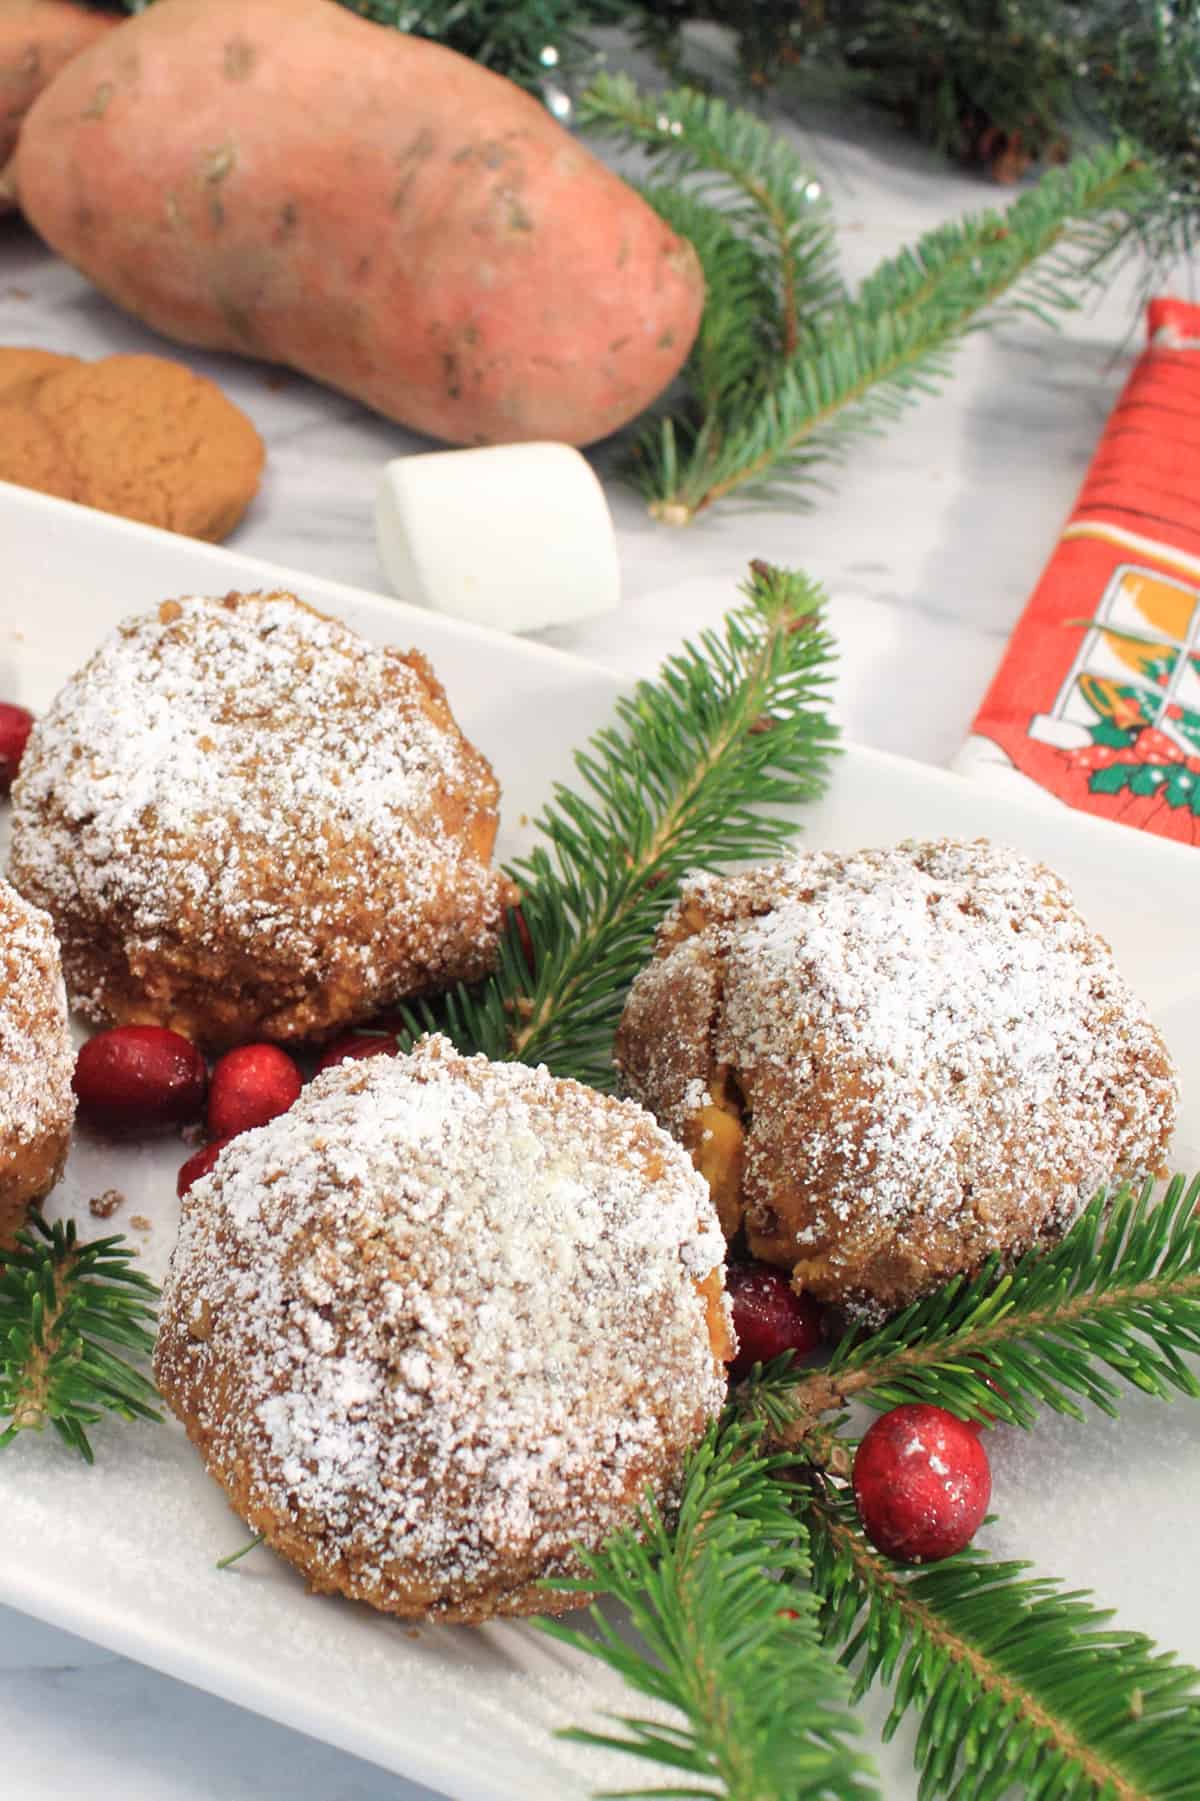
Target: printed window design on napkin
{"type": "Point", "coordinates": [1128, 712]}
{"type": "Point", "coordinates": [1098, 697]}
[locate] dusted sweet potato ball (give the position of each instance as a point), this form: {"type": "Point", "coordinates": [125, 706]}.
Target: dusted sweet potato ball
{"type": "Point", "coordinates": [36, 1060]}
{"type": "Point", "coordinates": [440, 1322]}
{"type": "Point", "coordinates": [247, 822]}
{"type": "Point", "coordinates": [892, 1064]}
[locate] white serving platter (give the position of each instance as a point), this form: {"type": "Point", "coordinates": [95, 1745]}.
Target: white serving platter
{"type": "Point", "coordinates": [124, 1553]}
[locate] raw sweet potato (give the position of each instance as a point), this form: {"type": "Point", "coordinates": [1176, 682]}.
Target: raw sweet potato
{"type": "Point", "coordinates": [36, 38]}
{"type": "Point", "coordinates": [283, 179]}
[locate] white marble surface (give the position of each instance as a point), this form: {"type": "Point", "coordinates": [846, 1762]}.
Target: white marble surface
{"type": "Point", "coordinates": [928, 544]}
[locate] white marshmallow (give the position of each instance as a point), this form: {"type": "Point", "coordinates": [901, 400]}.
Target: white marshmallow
{"type": "Point", "coordinates": [515, 536]}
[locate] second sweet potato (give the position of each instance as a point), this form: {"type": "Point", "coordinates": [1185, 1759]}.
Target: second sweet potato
{"type": "Point", "coordinates": [36, 38]}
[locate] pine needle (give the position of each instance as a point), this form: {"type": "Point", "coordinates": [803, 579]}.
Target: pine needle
{"type": "Point", "coordinates": [75, 1322]}
{"type": "Point", "coordinates": [692, 775]}
{"type": "Point", "coordinates": [726, 1637]}
{"type": "Point", "coordinates": [876, 355]}
{"type": "Point", "coordinates": [1024, 1687]}
{"type": "Point", "coordinates": [1119, 1294]}
{"type": "Point", "coordinates": [772, 199]}
{"type": "Point", "coordinates": [788, 372]}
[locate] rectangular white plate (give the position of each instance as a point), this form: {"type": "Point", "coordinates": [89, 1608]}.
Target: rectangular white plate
{"type": "Point", "coordinates": [124, 1553]}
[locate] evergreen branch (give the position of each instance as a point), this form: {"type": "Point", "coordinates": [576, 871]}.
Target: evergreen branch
{"type": "Point", "coordinates": [1023, 1686]}
{"type": "Point", "coordinates": [726, 1637]}
{"type": "Point", "coordinates": [732, 343]}
{"type": "Point", "coordinates": [1120, 1293]}
{"type": "Point", "coordinates": [877, 354]}
{"type": "Point", "coordinates": [731, 726]}
{"type": "Point", "coordinates": [68, 1314]}
{"type": "Point", "coordinates": [766, 190]}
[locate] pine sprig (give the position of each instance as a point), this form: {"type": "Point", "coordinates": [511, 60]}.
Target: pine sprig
{"type": "Point", "coordinates": [1024, 1688]}
{"type": "Point", "coordinates": [733, 725]}
{"type": "Point", "coordinates": [874, 356]}
{"type": "Point", "coordinates": [769, 194]}
{"type": "Point", "coordinates": [75, 1321]}
{"type": "Point", "coordinates": [726, 1637]}
{"type": "Point", "coordinates": [1120, 1294]}
{"type": "Point", "coordinates": [727, 359]}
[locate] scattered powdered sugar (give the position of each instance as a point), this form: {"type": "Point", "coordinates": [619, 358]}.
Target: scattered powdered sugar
{"type": "Point", "coordinates": [247, 773]}
{"type": "Point", "coordinates": [443, 1319]}
{"type": "Point", "coordinates": [928, 1040]}
{"type": "Point", "coordinates": [37, 1058]}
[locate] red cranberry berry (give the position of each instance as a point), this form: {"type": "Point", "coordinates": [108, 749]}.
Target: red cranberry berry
{"type": "Point", "coordinates": [15, 726]}
{"type": "Point", "coordinates": [198, 1165]}
{"type": "Point", "coordinates": [139, 1079]}
{"type": "Point", "coordinates": [922, 1483]}
{"type": "Point", "coordinates": [769, 1317]}
{"type": "Point", "coordinates": [356, 1045]}
{"type": "Point", "coordinates": [249, 1086]}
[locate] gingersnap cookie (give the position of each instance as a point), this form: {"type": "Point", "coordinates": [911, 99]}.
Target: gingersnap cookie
{"type": "Point", "coordinates": [247, 822]}
{"type": "Point", "coordinates": [893, 1064]}
{"type": "Point", "coordinates": [443, 1321]}
{"type": "Point", "coordinates": [143, 437]}
{"type": "Point", "coordinates": [36, 1061]}
{"type": "Point", "coordinates": [30, 453]}
{"type": "Point", "coordinates": [22, 372]}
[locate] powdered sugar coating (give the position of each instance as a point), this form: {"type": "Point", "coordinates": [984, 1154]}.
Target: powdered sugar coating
{"type": "Point", "coordinates": [246, 820]}
{"type": "Point", "coordinates": [935, 1057]}
{"type": "Point", "coordinates": [442, 1320]}
{"type": "Point", "coordinates": [36, 1059]}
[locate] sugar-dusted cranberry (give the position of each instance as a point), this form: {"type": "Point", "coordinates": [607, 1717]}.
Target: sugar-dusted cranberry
{"type": "Point", "coordinates": [356, 1045]}
{"type": "Point", "coordinates": [922, 1483]}
{"type": "Point", "coordinates": [16, 723]}
{"type": "Point", "coordinates": [249, 1086]}
{"type": "Point", "coordinates": [198, 1165]}
{"type": "Point", "coordinates": [137, 1079]}
{"type": "Point", "coordinates": [769, 1317]}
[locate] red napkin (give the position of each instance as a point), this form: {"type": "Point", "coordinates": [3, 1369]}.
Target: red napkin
{"type": "Point", "coordinates": [1098, 696]}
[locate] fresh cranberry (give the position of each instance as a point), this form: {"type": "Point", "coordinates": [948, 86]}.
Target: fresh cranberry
{"type": "Point", "coordinates": [16, 723]}
{"type": "Point", "coordinates": [922, 1483]}
{"type": "Point", "coordinates": [249, 1086]}
{"type": "Point", "coordinates": [356, 1045]}
{"type": "Point", "coordinates": [769, 1317]}
{"type": "Point", "coordinates": [139, 1079]}
{"type": "Point", "coordinates": [198, 1165]}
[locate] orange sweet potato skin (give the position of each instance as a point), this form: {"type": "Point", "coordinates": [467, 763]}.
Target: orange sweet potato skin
{"type": "Point", "coordinates": [282, 179]}
{"type": "Point", "coordinates": [36, 38]}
